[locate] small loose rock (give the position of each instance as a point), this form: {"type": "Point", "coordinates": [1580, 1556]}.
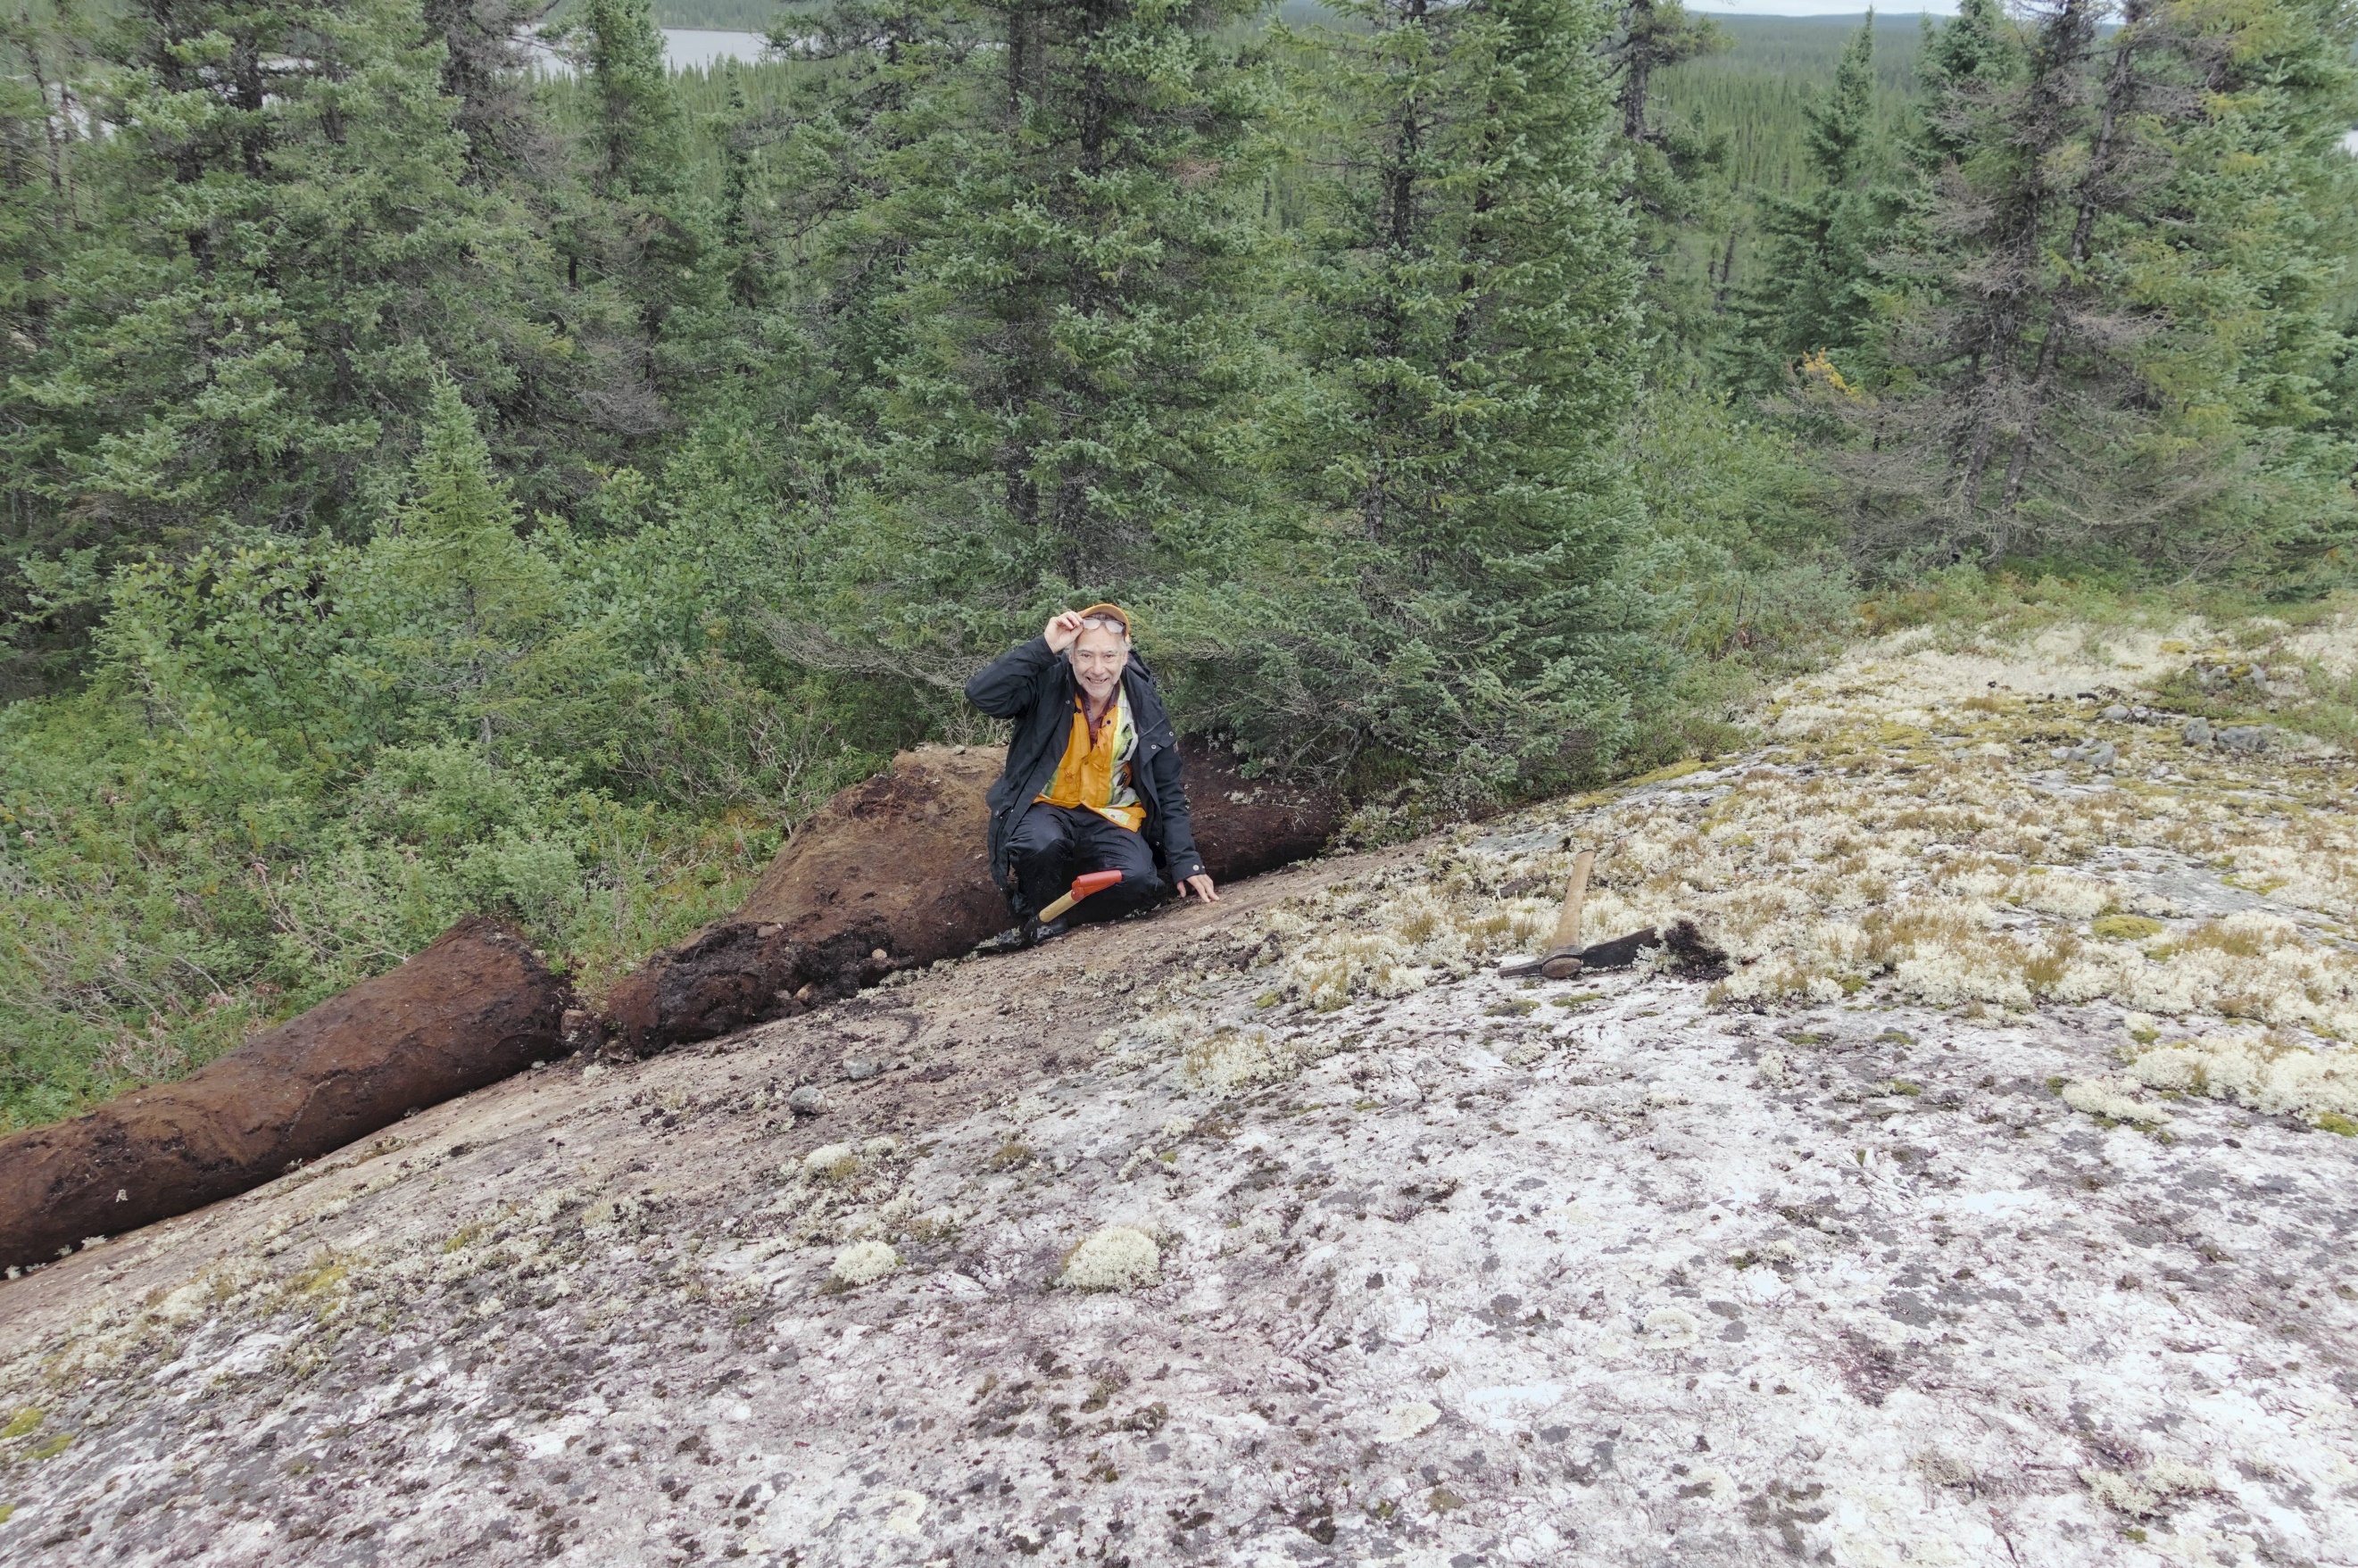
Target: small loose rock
{"type": "Point", "coordinates": [807, 1100]}
{"type": "Point", "coordinates": [2098, 753]}
{"type": "Point", "coordinates": [858, 1068]}
{"type": "Point", "coordinates": [581, 1029]}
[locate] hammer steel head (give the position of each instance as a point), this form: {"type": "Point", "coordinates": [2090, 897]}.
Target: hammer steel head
{"type": "Point", "coordinates": [1555, 964]}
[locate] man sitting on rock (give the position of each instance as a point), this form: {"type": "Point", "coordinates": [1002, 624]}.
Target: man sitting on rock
{"type": "Point", "coordinates": [1092, 776]}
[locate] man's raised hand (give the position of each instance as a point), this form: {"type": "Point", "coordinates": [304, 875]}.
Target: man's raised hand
{"type": "Point", "coordinates": [1062, 630]}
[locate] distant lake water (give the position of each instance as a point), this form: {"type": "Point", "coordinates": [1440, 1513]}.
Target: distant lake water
{"type": "Point", "coordinates": [685, 49]}
{"type": "Point", "coordinates": [702, 49]}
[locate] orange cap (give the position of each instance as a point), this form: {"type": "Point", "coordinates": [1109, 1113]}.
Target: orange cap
{"type": "Point", "coordinates": [1113, 612]}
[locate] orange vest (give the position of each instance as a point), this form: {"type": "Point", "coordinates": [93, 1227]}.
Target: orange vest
{"type": "Point", "coordinates": [1092, 772]}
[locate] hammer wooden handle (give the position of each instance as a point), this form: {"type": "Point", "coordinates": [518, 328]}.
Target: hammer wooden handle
{"type": "Point", "coordinates": [1575, 892]}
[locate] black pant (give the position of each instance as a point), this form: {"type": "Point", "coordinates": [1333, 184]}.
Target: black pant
{"type": "Point", "coordinates": [1054, 844]}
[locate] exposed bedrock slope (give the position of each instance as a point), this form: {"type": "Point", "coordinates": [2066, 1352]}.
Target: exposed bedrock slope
{"type": "Point", "coordinates": [892, 873]}
{"type": "Point", "coordinates": [1587, 1272]}
{"type": "Point", "coordinates": [2011, 1229]}
{"type": "Point", "coordinates": [476, 1006]}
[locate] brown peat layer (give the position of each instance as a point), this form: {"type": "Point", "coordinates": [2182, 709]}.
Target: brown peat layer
{"type": "Point", "coordinates": [893, 873]}
{"type": "Point", "coordinates": [890, 874]}
{"type": "Point", "coordinates": [476, 1006]}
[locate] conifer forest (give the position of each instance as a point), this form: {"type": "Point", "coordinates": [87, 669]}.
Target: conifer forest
{"type": "Point", "coordinates": [453, 462]}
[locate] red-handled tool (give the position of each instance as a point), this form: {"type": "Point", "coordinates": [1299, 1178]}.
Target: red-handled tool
{"type": "Point", "coordinates": [1085, 884]}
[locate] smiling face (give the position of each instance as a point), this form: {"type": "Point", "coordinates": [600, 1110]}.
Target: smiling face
{"type": "Point", "coordinates": [1098, 655]}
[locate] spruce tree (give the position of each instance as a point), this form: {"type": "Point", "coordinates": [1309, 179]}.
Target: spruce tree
{"type": "Point", "coordinates": [858, 167]}
{"type": "Point", "coordinates": [2121, 322]}
{"type": "Point", "coordinates": [1822, 269]}
{"type": "Point", "coordinates": [48, 593]}
{"type": "Point", "coordinates": [637, 226]}
{"type": "Point", "coordinates": [1961, 62]}
{"type": "Point", "coordinates": [1938, 454]}
{"type": "Point", "coordinates": [486, 73]}
{"type": "Point", "coordinates": [635, 143]}
{"type": "Point", "coordinates": [1064, 366]}
{"type": "Point", "coordinates": [736, 165]}
{"type": "Point", "coordinates": [2246, 273]}
{"type": "Point", "coordinates": [1670, 162]}
{"type": "Point", "coordinates": [454, 603]}
{"type": "Point", "coordinates": [540, 421]}
{"type": "Point", "coordinates": [1468, 317]}
{"type": "Point", "coordinates": [289, 249]}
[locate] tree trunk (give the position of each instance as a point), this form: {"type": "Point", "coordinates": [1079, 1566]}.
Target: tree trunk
{"type": "Point", "coordinates": [2120, 87]}
{"type": "Point", "coordinates": [2041, 124]}
{"type": "Point", "coordinates": [1636, 68]}
{"type": "Point", "coordinates": [1022, 53]}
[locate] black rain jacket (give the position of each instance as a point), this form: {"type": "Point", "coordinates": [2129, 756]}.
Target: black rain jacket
{"type": "Point", "coordinates": [1036, 689]}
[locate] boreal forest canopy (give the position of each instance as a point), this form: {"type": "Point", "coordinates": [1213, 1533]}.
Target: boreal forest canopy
{"type": "Point", "coordinates": [455, 462]}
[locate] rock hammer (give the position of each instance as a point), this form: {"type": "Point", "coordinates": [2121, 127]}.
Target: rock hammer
{"type": "Point", "coordinates": [1562, 959]}
{"type": "Point", "coordinates": [1085, 884]}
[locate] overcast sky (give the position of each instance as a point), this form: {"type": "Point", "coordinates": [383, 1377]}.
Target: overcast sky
{"type": "Point", "coordinates": [1813, 8]}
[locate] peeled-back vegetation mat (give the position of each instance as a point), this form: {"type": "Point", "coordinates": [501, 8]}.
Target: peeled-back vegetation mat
{"type": "Point", "coordinates": [1988, 1210]}
{"type": "Point", "coordinates": [473, 1008]}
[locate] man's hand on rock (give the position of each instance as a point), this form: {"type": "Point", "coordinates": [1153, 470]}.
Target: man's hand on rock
{"type": "Point", "coordinates": [1201, 886]}
{"type": "Point", "coordinates": [1062, 630]}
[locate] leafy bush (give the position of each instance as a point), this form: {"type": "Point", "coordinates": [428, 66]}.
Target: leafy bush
{"type": "Point", "coordinates": [298, 762]}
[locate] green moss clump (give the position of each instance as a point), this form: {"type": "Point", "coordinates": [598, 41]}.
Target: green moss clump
{"type": "Point", "coordinates": [2125, 927]}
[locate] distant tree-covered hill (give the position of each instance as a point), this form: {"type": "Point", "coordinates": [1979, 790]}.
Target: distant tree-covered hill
{"type": "Point", "coordinates": [1754, 92]}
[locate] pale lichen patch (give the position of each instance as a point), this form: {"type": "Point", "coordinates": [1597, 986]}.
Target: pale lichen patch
{"type": "Point", "coordinates": [831, 1162]}
{"type": "Point", "coordinates": [1401, 1422]}
{"type": "Point", "coordinates": [2148, 1492]}
{"type": "Point", "coordinates": [2112, 1100]}
{"type": "Point", "coordinates": [1119, 1258]}
{"type": "Point", "coordinates": [862, 1263]}
{"type": "Point", "coordinates": [2269, 1073]}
